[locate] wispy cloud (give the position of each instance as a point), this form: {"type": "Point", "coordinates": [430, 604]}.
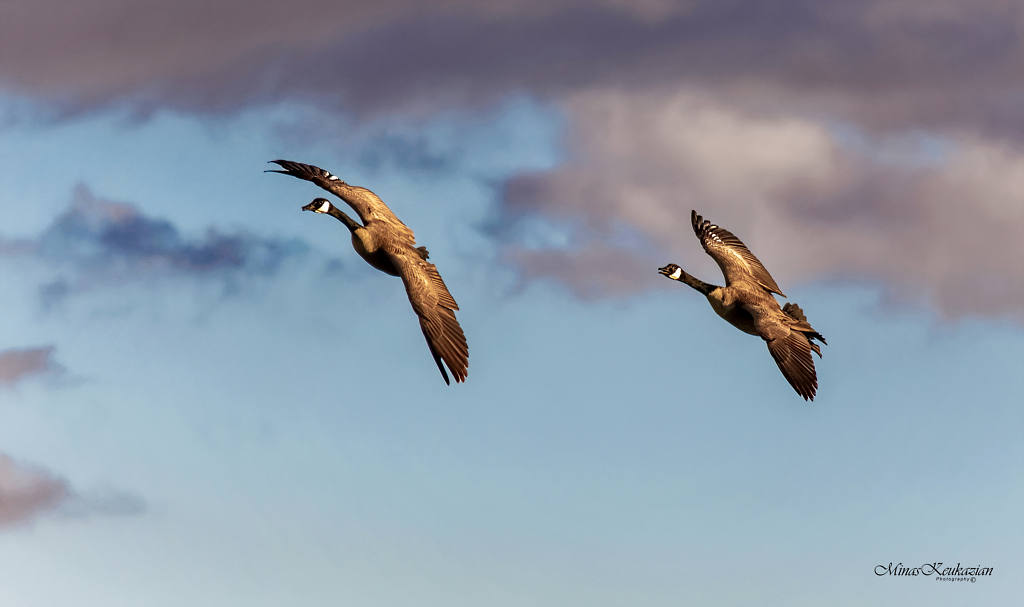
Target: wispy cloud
{"type": "Point", "coordinates": [102, 501]}
{"type": "Point", "coordinates": [19, 364]}
{"type": "Point", "coordinates": [99, 242]}
{"type": "Point", "coordinates": [28, 492]}
{"type": "Point", "coordinates": [96, 232]}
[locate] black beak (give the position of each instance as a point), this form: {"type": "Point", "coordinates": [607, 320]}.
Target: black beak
{"type": "Point", "coordinates": [310, 207]}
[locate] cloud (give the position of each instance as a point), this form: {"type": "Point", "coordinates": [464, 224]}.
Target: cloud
{"type": "Point", "coordinates": [868, 139]}
{"type": "Point", "coordinates": [934, 223]}
{"type": "Point", "coordinates": [99, 232]}
{"type": "Point", "coordinates": [237, 52]}
{"type": "Point", "coordinates": [408, 153]}
{"type": "Point", "coordinates": [28, 492]}
{"type": "Point", "coordinates": [99, 242]}
{"type": "Point", "coordinates": [20, 364]}
{"type": "Point", "coordinates": [881, 63]}
{"type": "Point", "coordinates": [592, 271]}
{"type": "Point", "coordinates": [103, 502]}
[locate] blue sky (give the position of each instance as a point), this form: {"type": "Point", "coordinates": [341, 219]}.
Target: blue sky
{"type": "Point", "coordinates": [225, 405]}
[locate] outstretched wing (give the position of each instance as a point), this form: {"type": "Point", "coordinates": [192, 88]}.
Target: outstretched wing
{"type": "Point", "coordinates": [370, 208]}
{"type": "Point", "coordinates": [729, 252]}
{"type": "Point", "coordinates": [793, 355]}
{"type": "Point", "coordinates": [436, 308]}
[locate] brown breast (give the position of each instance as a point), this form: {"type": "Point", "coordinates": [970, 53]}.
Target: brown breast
{"type": "Point", "coordinates": [364, 244]}
{"type": "Point", "coordinates": [732, 311]}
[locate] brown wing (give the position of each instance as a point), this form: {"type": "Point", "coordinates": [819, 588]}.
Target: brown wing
{"type": "Point", "coordinates": [729, 252]}
{"type": "Point", "coordinates": [370, 208]}
{"type": "Point", "coordinates": [793, 355]}
{"type": "Point", "coordinates": [435, 306]}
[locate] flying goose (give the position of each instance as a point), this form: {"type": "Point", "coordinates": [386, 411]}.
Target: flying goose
{"type": "Point", "coordinates": [389, 245]}
{"type": "Point", "coordinates": [746, 302]}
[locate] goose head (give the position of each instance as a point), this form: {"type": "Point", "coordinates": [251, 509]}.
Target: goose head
{"type": "Point", "coordinates": [318, 205]}
{"type": "Point", "coordinates": [672, 271]}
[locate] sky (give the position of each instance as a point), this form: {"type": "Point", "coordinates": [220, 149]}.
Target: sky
{"type": "Point", "coordinates": [207, 398]}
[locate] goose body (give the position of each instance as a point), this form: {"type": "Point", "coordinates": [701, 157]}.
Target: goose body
{"type": "Point", "coordinates": [370, 250]}
{"type": "Point", "coordinates": [725, 303]}
{"type": "Point", "coordinates": [388, 245]}
{"type": "Point", "coordinates": [747, 303]}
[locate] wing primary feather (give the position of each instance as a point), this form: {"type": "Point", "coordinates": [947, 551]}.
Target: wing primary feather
{"type": "Point", "coordinates": [437, 358]}
{"type": "Point", "coordinates": [435, 306]}
{"type": "Point", "coordinates": [732, 256]}
{"type": "Point", "coordinates": [792, 354]}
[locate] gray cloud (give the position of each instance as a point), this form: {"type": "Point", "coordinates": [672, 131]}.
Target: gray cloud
{"type": "Point", "coordinates": [28, 491]}
{"type": "Point", "coordinates": [902, 64]}
{"type": "Point", "coordinates": [98, 232]}
{"type": "Point", "coordinates": [934, 223]}
{"type": "Point", "coordinates": [405, 152]}
{"type": "Point", "coordinates": [23, 363]}
{"type": "Point", "coordinates": [101, 242]}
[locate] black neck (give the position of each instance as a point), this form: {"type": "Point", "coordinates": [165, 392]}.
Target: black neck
{"type": "Point", "coordinates": [700, 285]}
{"type": "Point", "coordinates": [340, 215]}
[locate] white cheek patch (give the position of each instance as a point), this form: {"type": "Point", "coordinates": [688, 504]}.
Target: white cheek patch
{"type": "Point", "coordinates": [326, 206]}
{"type": "Point", "coordinates": [675, 275]}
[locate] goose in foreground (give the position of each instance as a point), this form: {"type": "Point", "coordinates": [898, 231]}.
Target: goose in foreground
{"type": "Point", "coordinates": [746, 302]}
{"type": "Point", "coordinates": [388, 245]}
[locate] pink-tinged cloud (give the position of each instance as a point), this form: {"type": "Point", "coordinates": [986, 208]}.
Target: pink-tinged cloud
{"type": "Point", "coordinates": [27, 491]}
{"type": "Point", "coordinates": [933, 222]}
{"type": "Point", "coordinates": [17, 365]}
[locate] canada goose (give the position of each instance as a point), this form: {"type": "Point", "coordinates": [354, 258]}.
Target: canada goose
{"type": "Point", "coordinates": [746, 302]}
{"type": "Point", "coordinates": [389, 245]}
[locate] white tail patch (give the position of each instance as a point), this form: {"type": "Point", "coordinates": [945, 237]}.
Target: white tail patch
{"type": "Point", "coordinates": [326, 206]}
{"type": "Point", "coordinates": [675, 275]}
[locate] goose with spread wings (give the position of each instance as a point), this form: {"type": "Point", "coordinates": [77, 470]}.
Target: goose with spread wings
{"type": "Point", "coordinates": [746, 302]}
{"type": "Point", "coordinates": [389, 245]}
